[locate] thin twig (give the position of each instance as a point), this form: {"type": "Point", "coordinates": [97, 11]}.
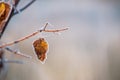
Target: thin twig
{"type": "Point", "coordinates": [18, 53]}
{"type": "Point", "coordinates": [45, 26]}
{"type": "Point", "coordinates": [31, 35]}
{"type": "Point", "coordinates": [11, 61]}
{"type": "Point", "coordinates": [57, 30]}
{"type": "Point", "coordinates": [26, 6]}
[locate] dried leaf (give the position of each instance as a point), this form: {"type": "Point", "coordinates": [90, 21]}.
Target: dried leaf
{"type": "Point", "coordinates": [4, 14]}
{"type": "Point", "coordinates": [41, 48]}
{"type": "Point", "coordinates": [2, 9]}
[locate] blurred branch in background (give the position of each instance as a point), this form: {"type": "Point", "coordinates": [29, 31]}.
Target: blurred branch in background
{"type": "Point", "coordinates": [7, 9]}
{"type": "Point", "coordinates": [26, 6]}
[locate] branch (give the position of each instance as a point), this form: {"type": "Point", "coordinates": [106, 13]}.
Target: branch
{"type": "Point", "coordinates": [31, 35]}
{"type": "Point", "coordinates": [26, 6]}
{"type": "Point", "coordinates": [11, 61]}
{"type": "Point", "coordinates": [18, 53]}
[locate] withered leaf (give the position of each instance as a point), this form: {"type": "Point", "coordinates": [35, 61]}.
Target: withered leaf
{"type": "Point", "coordinates": [41, 48]}
{"type": "Point", "coordinates": [4, 14]}
{"type": "Point", "coordinates": [2, 9]}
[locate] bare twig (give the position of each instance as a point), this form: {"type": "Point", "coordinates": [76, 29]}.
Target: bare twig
{"type": "Point", "coordinates": [12, 61]}
{"type": "Point", "coordinates": [26, 6]}
{"type": "Point", "coordinates": [18, 53]}
{"type": "Point", "coordinates": [31, 35]}
{"type": "Point", "coordinates": [45, 26]}
{"type": "Point", "coordinates": [57, 30]}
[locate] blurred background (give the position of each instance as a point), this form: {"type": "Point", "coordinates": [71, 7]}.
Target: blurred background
{"type": "Point", "coordinates": [89, 50]}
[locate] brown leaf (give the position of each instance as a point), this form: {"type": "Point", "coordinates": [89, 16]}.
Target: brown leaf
{"type": "Point", "coordinates": [41, 48]}
{"type": "Point", "coordinates": [4, 14]}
